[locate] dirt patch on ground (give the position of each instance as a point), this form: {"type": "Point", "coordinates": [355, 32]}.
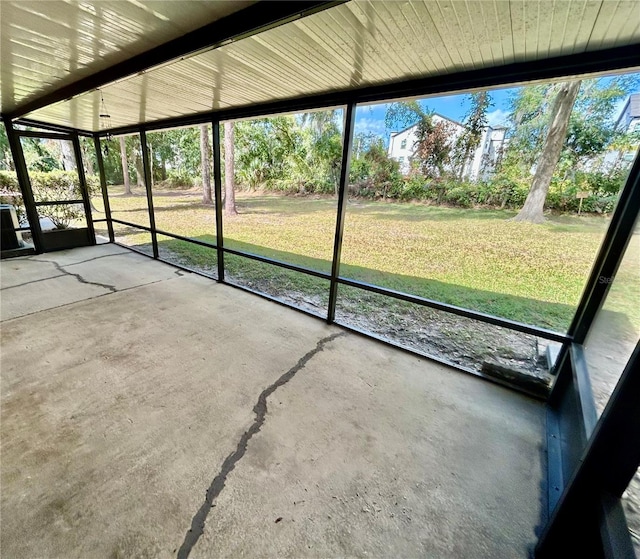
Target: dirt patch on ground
{"type": "Point", "coordinates": [459, 340]}
{"type": "Point", "coordinates": [456, 339]}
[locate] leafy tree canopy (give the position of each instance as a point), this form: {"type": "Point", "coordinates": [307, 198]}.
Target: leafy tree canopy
{"type": "Point", "coordinates": [591, 127]}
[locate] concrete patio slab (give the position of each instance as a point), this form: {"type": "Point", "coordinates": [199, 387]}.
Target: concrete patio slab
{"type": "Point", "coordinates": [73, 275]}
{"type": "Point", "coordinates": [169, 415]}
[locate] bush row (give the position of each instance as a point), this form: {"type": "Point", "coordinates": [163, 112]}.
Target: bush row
{"type": "Point", "coordinates": [48, 187]}
{"type": "Point", "coordinates": [62, 182]}
{"type": "Point", "coordinates": [499, 192]}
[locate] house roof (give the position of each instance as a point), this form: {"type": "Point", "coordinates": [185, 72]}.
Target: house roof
{"type": "Point", "coordinates": [630, 110]}
{"type": "Point", "coordinates": [153, 60]}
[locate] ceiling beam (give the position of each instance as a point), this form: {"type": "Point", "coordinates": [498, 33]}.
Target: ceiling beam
{"type": "Point", "coordinates": [244, 23]}
{"type": "Point", "coordinates": [52, 127]}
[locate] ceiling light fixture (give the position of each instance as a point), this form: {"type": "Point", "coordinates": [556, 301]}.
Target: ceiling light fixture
{"type": "Point", "coordinates": [105, 121]}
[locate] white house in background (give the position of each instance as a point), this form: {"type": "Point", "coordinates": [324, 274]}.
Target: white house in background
{"type": "Point", "coordinates": [628, 122]}
{"type": "Point", "coordinates": [402, 144]}
{"type": "Point", "coordinates": [402, 147]}
{"type": "Point", "coordinates": [629, 119]}
{"type": "Point", "coordinates": [483, 161]}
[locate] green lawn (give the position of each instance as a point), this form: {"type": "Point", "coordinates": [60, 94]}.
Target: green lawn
{"type": "Point", "coordinates": [473, 258]}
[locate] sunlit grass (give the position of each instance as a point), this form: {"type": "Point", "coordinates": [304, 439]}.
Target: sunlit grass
{"type": "Point", "coordinates": [472, 258]}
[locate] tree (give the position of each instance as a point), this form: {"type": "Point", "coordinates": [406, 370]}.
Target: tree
{"type": "Point", "coordinates": [434, 136]}
{"type": "Point", "coordinates": [264, 150]}
{"type": "Point", "coordinates": [68, 157]}
{"type": "Point", "coordinates": [112, 160]}
{"type": "Point", "coordinates": [592, 126]}
{"type": "Point", "coordinates": [590, 131]}
{"type": "Point", "coordinates": [88, 155]}
{"type": "Point", "coordinates": [532, 210]}
{"type": "Point", "coordinates": [624, 145]}
{"type": "Point", "coordinates": [322, 144]}
{"type": "Point", "coordinates": [229, 186]}
{"type": "Point", "coordinates": [138, 165]}
{"type": "Point", "coordinates": [475, 122]}
{"type": "Point", "coordinates": [433, 146]}
{"type": "Point", "coordinates": [373, 170]}
{"type": "Point", "coordinates": [39, 155]}
{"type": "Point", "coordinates": [205, 163]}
{"type": "Point", "coordinates": [299, 153]}
{"type": "Point", "coordinates": [125, 166]}
{"type": "Point", "coordinates": [175, 155]}
{"type": "Point", "coordinates": [6, 159]}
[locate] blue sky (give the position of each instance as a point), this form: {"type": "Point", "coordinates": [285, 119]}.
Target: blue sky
{"type": "Point", "coordinates": [371, 118]}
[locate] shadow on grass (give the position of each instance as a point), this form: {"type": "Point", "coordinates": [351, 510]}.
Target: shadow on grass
{"type": "Point", "coordinates": [186, 205]}
{"type": "Point", "coordinates": [422, 212]}
{"type": "Point", "coordinates": [415, 212]}
{"type": "Point", "coordinates": [278, 281]}
{"type": "Point", "coordinates": [277, 205]}
{"type": "Point", "coordinates": [378, 210]}
{"type": "Point", "coordinates": [135, 212]}
{"type": "Point", "coordinates": [289, 205]}
{"type": "Point", "coordinates": [126, 230]}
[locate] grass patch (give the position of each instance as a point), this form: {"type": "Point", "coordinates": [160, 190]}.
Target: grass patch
{"type": "Point", "coordinates": [251, 273]}
{"type": "Point", "coordinates": [476, 259]}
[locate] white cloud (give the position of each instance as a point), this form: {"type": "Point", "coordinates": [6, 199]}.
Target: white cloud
{"type": "Point", "coordinates": [498, 118]}
{"type": "Point", "coordinates": [371, 126]}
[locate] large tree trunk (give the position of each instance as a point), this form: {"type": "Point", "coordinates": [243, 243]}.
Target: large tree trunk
{"type": "Point", "coordinates": [205, 163]}
{"type": "Point", "coordinates": [68, 157]}
{"type": "Point", "coordinates": [139, 170]}
{"type": "Point", "coordinates": [151, 164]}
{"type": "Point", "coordinates": [463, 164]}
{"type": "Point", "coordinates": [532, 210]}
{"type": "Point", "coordinates": [230, 195]}
{"type": "Point", "coordinates": [88, 160]}
{"type": "Point", "coordinates": [125, 167]}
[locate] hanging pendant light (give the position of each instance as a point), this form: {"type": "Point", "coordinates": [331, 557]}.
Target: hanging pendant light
{"type": "Point", "coordinates": [105, 121]}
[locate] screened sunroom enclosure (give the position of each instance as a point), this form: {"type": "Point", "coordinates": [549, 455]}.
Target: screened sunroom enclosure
{"type": "Point", "coordinates": [256, 62]}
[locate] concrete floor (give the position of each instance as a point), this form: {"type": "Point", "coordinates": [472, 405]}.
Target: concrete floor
{"type": "Point", "coordinates": [148, 412]}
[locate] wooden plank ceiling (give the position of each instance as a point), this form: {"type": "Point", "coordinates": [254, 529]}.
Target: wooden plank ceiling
{"type": "Point", "coordinates": [351, 45]}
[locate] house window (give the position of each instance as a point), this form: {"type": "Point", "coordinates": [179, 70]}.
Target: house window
{"type": "Point", "coordinates": [401, 159]}
{"type": "Point", "coordinates": [403, 144]}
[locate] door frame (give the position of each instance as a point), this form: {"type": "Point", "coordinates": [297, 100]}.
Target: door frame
{"type": "Point", "coordinates": [57, 239]}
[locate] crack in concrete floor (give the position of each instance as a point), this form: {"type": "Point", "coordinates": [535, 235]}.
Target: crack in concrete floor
{"type": "Point", "coordinates": [86, 299]}
{"type": "Point", "coordinates": [260, 409]}
{"type": "Point", "coordinates": [64, 272]}
{"type": "Point", "coordinates": [61, 269]}
{"type": "Point", "coordinates": [32, 281]}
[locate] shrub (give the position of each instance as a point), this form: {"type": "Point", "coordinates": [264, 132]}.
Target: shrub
{"type": "Point", "coordinates": [9, 181]}
{"type": "Point", "coordinates": [414, 187]}
{"type": "Point", "coordinates": [503, 191]}
{"type": "Point", "coordinates": [178, 179]}
{"type": "Point", "coordinates": [10, 194]}
{"type": "Point", "coordinates": [54, 186]}
{"type": "Point", "coordinates": [375, 174]}
{"type": "Point", "coordinates": [603, 189]}
{"type": "Point", "coordinates": [286, 186]}
{"type": "Point", "coordinates": [462, 195]}
{"type": "Point", "coordinates": [48, 187]}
